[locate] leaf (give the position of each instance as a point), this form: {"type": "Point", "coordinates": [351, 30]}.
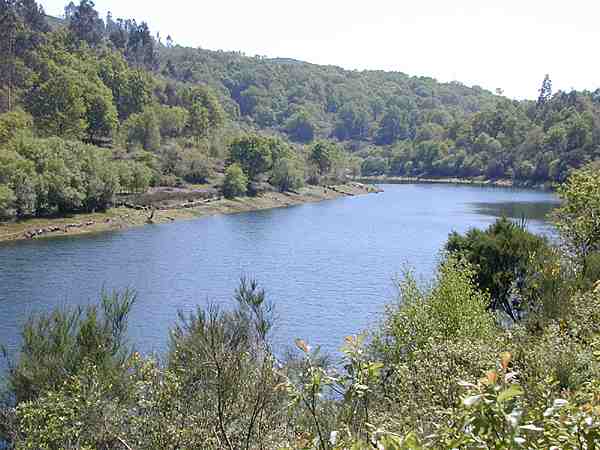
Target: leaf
{"type": "Point", "coordinates": [513, 391]}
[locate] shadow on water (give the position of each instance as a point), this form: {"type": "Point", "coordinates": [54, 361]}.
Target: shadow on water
{"type": "Point", "coordinates": [516, 210]}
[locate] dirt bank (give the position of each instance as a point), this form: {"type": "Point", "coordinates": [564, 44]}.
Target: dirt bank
{"type": "Point", "coordinates": [132, 215]}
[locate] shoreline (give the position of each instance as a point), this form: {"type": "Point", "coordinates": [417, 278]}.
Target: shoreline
{"type": "Point", "coordinates": [503, 183]}
{"type": "Point", "coordinates": [122, 218]}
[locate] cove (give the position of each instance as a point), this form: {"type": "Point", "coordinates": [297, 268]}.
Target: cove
{"type": "Point", "coordinates": [328, 267]}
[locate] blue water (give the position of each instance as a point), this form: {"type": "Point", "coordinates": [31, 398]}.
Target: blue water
{"type": "Point", "coordinates": [327, 266]}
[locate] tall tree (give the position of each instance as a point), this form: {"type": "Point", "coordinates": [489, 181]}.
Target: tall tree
{"type": "Point", "coordinates": [86, 25]}
{"type": "Point", "coordinates": [545, 91]}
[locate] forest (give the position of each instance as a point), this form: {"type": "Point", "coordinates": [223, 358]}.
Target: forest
{"type": "Point", "coordinates": [94, 107]}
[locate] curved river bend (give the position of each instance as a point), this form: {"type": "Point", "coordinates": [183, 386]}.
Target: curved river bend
{"type": "Point", "coordinates": [327, 266]}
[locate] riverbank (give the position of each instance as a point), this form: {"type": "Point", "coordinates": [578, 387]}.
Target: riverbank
{"type": "Point", "coordinates": [506, 183]}
{"type": "Point", "coordinates": [131, 215]}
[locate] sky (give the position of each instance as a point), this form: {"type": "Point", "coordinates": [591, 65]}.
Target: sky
{"type": "Point", "coordinates": [507, 44]}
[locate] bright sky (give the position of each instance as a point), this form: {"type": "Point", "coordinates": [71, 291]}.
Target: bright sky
{"type": "Point", "coordinates": [508, 44]}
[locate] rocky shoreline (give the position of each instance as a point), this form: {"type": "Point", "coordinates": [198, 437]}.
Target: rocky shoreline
{"type": "Point", "coordinates": [128, 214]}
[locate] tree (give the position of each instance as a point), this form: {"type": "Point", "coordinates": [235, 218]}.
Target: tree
{"type": "Point", "coordinates": [287, 174]}
{"type": "Point", "coordinates": [198, 123]}
{"type": "Point", "coordinates": [196, 96]}
{"type": "Point", "coordinates": [578, 218]}
{"type": "Point", "coordinates": [325, 155]}
{"type": "Point", "coordinates": [13, 122]}
{"type": "Point", "coordinates": [500, 256]}
{"type": "Point", "coordinates": [253, 154]}
{"type": "Point", "coordinates": [300, 127]}
{"type": "Point", "coordinates": [394, 126]}
{"type": "Point", "coordinates": [10, 25]}
{"type": "Point", "coordinates": [173, 120]}
{"type": "Point", "coordinates": [143, 129]}
{"type": "Point", "coordinates": [85, 23]}
{"type": "Point", "coordinates": [101, 114]}
{"type": "Point", "coordinates": [545, 91]}
{"type": "Point", "coordinates": [374, 166]}
{"type": "Point", "coordinates": [58, 105]}
{"type": "Point", "coordinates": [7, 202]}
{"type": "Point", "coordinates": [235, 183]}
{"type": "Point", "coordinates": [63, 342]}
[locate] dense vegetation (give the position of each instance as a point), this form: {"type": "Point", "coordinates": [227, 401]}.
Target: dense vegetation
{"type": "Point", "coordinates": [172, 116]}
{"type": "Point", "coordinates": [501, 351]}
{"type": "Point", "coordinates": [401, 125]}
{"type": "Point", "coordinates": [86, 114]}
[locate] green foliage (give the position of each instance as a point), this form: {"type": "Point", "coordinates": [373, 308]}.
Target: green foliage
{"type": "Point", "coordinates": [58, 106]}
{"type": "Point", "coordinates": [287, 174]}
{"type": "Point", "coordinates": [455, 308]}
{"type": "Point", "coordinates": [325, 155]}
{"type": "Point", "coordinates": [142, 129]}
{"type": "Point", "coordinates": [254, 153]}
{"type": "Point", "coordinates": [48, 175]}
{"type": "Point", "coordinates": [576, 219]}
{"type": "Point", "coordinates": [172, 120]}
{"type": "Point", "coordinates": [62, 343]}
{"type": "Point", "coordinates": [12, 123]}
{"type": "Point", "coordinates": [235, 183]}
{"type": "Point", "coordinates": [374, 166]}
{"type": "Point", "coordinates": [7, 202]}
{"type": "Point", "coordinates": [300, 127]}
{"type": "Point", "coordinates": [194, 167]}
{"type": "Point", "coordinates": [501, 256]}
{"type": "Point", "coordinates": [228, 354]}
{"type": "Point", "coordinates": [206, 113]}
{"type": "Point", "coordinates": [101, 114]}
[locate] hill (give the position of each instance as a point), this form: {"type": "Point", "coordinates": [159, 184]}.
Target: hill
{"type": "Point", "coordinates": [171, 115]}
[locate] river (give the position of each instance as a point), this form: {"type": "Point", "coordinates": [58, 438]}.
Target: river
{"type": "Point", "coordinates": [328, 267]}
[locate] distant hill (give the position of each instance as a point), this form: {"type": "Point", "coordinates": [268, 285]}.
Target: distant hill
{"type": "Point", "coordinates": [391, 122]}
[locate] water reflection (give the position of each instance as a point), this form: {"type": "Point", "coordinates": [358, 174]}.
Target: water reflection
{"type": "Point", "coordinates": [516, 210]}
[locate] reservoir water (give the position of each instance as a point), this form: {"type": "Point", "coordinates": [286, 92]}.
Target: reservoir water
{"type": "Point", "coordinates": [328, 267]}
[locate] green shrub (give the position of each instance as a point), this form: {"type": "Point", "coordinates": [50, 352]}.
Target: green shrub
{"type": "Point", "coordinates": [501, 256]}
{"type": "Point", "coordinates": [60, 344]}
{"type": "Point", "coordinates": [235, 183]}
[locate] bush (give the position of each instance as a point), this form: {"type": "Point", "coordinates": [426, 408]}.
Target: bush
{"type": "Point", "coordinates": [501, 256]}
{"type": "Point", "coordinates": [60, 344]}
{"type": "Point", "coordinates": [235, 183]}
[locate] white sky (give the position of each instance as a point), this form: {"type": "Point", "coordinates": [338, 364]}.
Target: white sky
{"type": "Point", "coordinates": [508, 44]}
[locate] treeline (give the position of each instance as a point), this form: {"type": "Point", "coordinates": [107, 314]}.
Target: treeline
{"type": "Point", "coordinates": [401, 125]}
{"type": "Point", "coordinates": [500, 351]}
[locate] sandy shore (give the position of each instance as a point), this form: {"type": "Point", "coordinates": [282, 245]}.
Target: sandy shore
{"type": "Point", "coordinates": [122, 217]}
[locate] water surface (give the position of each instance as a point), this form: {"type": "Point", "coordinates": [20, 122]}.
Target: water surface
{"type": "Point", "coordinates": [328, 266]}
